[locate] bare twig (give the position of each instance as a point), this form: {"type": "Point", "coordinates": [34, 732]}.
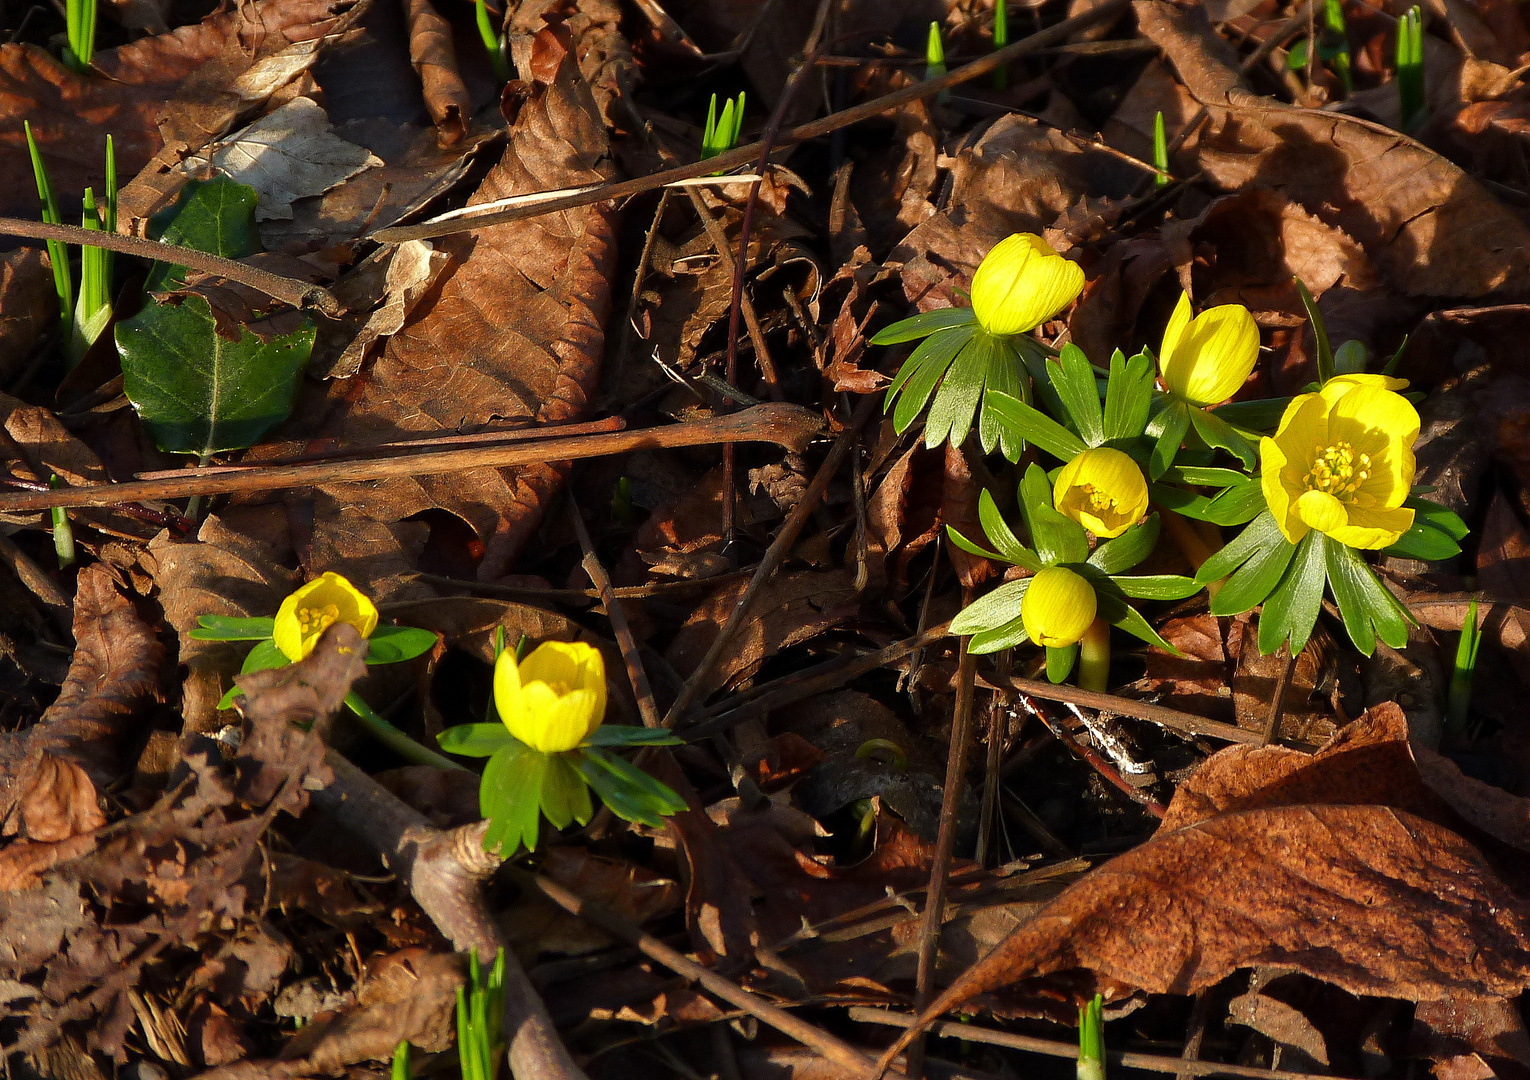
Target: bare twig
{"type": "Point", "coordinates": [1182, 722]}
{"type": "Point", "coordinates": [1095, 761]}
{"type": "Point", "coordinates": [788, 425]}
{"type": "Point", "coordinates": [300, 294]}
{"type": "Point", "coordinates": [1278, 700]}
{"type": "Point", "coordinates": [744, 155]}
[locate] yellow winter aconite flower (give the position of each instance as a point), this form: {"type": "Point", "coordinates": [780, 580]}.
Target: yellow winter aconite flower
{"type": "Point", "coordinates": [1058, 607]}
{"type": "Point", "coordinates": [553, 699]}
{"type": "Point", "coordinates": [1341, 462]}
{"type": "Point", "coordinates": [313, 609]}
{"type": "Point", "coordinates": [1206, 359]}
{"type": "Point", "coordinates": [1103, 490]}
{"type": "Point", "coordinates": [1021, 284]}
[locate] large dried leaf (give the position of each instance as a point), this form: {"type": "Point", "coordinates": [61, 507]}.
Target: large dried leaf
{"type": "Point", "coordinates": [513, 331]}
{"type": "Point", "coordinates": [1268, 857]}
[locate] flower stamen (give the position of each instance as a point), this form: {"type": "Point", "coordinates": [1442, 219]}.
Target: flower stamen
{"type": "Point", "coordinates": [1338, 470]}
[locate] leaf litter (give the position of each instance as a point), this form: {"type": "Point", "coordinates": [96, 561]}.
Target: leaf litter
{"type": "Point", "coordinates": [1341, 890]}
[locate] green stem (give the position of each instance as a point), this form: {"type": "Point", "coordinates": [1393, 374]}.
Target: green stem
{"type": "Point", "coordinates": [396, 740]}
{"type": "Point", "coordinates": [1094, 657]}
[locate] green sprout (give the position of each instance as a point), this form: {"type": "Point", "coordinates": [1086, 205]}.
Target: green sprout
{"type": "Point", "coordinates": [935, 60]}
{"type": "Point", "coordinates": [480, 1013]}
{"type": "Point", "coordinates": [721, 135]}
{"type": "Point", "coordinates": [1410, 67]}
{"type": "Point", "coordinates": [1459, 700]}
{"type": "Point", "coordinates": [80, 26]}
{"type": "Point", "coordinates": [401, 1065]}
{"type": "Point", "coordinates": [1332, 47]}
{"type": "Point", "coordinates": [1091, 1040]}
{"type": "Point", "coordinates": [491, 41]}
{"type": "Point", "coordinates": [1000, 39]}
{"type": "Point", "coordinates": [58, 253]}
{"type": "Point", "coordinates": [63, 532]}
{"type": "Point", "coordinates": [1160, 152]}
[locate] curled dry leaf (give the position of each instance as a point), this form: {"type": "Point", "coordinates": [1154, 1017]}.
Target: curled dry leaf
{"type": "Point", "coordinates": [1334, 865]}
{"type": "Point", "coordinates": [514, 330]}
{"type": "Point", "coordinates": [435, 61]}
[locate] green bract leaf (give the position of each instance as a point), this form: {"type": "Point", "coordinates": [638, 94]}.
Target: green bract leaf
{"type": "Point", "coordinates": [630, 792]}
{"type": "Point", "coordinates": [1060, 662]}
{"type": "Point", "coordinates": [1424, 543]}
{"type": "Point", "coordinates": [1128, 396]}
{"type": "Point", "coordinates": [1010, 549]}
{"type": "Point", "coordinates": [475, 740]}
{"type": "Point", "coordinates": [1203, 476]}
{"type": "Point", "coordinates": [510, 797]}
{"type": "Point", "coordinates": [1261, 415]}
{"type": "Point", "coordinates": [923, 325]}
{"type": "Point", "coordinates": [1073, 379]}
{"type": "Point", "coordinates": [916, 379]}
{"type": "Point", "coordinates": [631, 735]}
{"type": "Point", "coordinates": [1058, 538]}
{"type": "Point", "coordinates": [392, 644]}
{"type": "Point", "coordinates": [1368, 609]}
{"type": "Point", "coordinates": [1291, 610]}
{"type": "Point", "coordinates": [956, 401]}
{"type": "Point", "coordinates": [232, 628]}
{"type": "Point", "coordinates": [1157, 586]}
{"type": "Point", "coordinates": [1243, 501]}
{"type": "Point", "coordinates": [1437, 517]}
{"type": "Point", "coordinates": [1320, 335]}
{"type": "Point", "coordinates": [1118, 613]}
{"type": "Point", "coordinates": [1216, 432]}
{"type": "Point", "coordinates": [1252, 564]}
{"type": "Point", "coordinates": [1168, 427]}
{"type": "Point", "coordinates": [992, 610]}
{"type": "Point", "coordinates": [263, 657]}
{"type": "Point", "coordinates": [565, 795]}
{"type": "Point", "coordinates": [1006, 375]}
{"type": "Point", "coordinates": [200, 393]}
{"type": "Point", "coordinates": [1128, 549]}
{"type": "Point", "coordinates": [1030, 424]}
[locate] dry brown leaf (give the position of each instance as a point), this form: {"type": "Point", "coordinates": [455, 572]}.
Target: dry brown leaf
{"type": "Point", "coordinates": [26, 304]}
{"type": "Point", "coordinates": [1268, 857]}
{"type": "Point", "coordinates": [513, 330]}
{"type": "Point", "coordinates": [435, 61]}
{"type": "Point", "coordinates": [535, 925]}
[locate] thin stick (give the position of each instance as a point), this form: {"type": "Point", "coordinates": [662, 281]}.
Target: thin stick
{"type": "Point", "coordinates": [1096, 761]}
{"type": "Point", "coordinates": [751, 319]}
{"type": "Point", "coordinates": [775, 555]}
{"type": "Point", "coordinates": [832, 1048]}
{"type": "Point", "coordinates": [945, 843]}
{"type": "Point", "coordinates": [1278, 701]}
{"type": "Point", "coordinates": [787, 425]}
{"type": "Point", "coordinates": [1182, 722]}
{"type": "Point", "coordinates": [1151, 1062]}
{"type": "Point", "coordinates": [300, 294]}
{"type": "Point", "coordinates": [618, 618]}
{"type": "Point", "coordinates": [744, 155]}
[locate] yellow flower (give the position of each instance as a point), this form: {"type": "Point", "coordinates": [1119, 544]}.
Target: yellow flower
{"type": "Point", "coordinates": [313, 609]}
{"type": "Point", "coordinates": [1058, 607]}
{"type": "Point", "coordinates": [1103, 490]}
{"type": "Point", "coordinates": [1204, 360]}
{"type": "Point", "coordinates": [553, 699]}
{"type": "Point", "coordinates": [1341, 462]}
{"type": "Point", "coordinates": [1021, 284]}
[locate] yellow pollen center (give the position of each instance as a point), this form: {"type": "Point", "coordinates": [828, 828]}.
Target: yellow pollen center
{"type": "Point", "coordinates": [1097, 501]}
{"type": "Point", "coordinates": [1339, 471]}
{"type": "Point", "coordinates": [317, 620]}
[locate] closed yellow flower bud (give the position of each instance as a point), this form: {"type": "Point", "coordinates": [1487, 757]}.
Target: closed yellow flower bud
{"type": "Point", "coordinates": [1103, 490]}
{"type": "Point", "coordinates": [1021, 284]}
{"type": "Point", "coordinates": [1341, 462]}
{"type": "Point", "coordinates": [1206, 359]}
{"type": "Point", "coordinates": [314, 608]}
{"type": "Point", "coordinates": [1058, 607]}
{"type": "Point", "coordinates": [553, 699]}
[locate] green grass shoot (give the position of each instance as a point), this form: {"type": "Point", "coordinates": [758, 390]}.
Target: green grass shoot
{"type": "Point", "coordinates": [1000, 39]}
{"type": "Point", "coordinates": [58, 252]}
{"type": "Point", "coordinates": [1160, 152]}
{"type": "Point", "coordinates": [935, 60]}
{"type": "Point", "coordinates": [1336, 46]}
{"type": "Point", "coordinates": [491, 41]}
{"type": "Point", "coordinates": [722, 134]}
{"type": "Point", "coordinates": [1458, 701]}
{"type": "Point", "coordinates": [1410, 67]}
{"type": "Point", "coordinates": [63, 532]}
{"type": "Point", "coordinates": [80, 28]}
{"type": "Point", "coordinates": [480, 1012]}
{"type": "Point", "coordinates": [1091, 1040]}
{"type": "Point", "coordinates": [401, 1065]}
{"type": "Point", "coordinates": [93, 310]}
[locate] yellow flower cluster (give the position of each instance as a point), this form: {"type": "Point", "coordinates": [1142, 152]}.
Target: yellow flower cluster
{"type": "Point", "coordinates": [553, 699]}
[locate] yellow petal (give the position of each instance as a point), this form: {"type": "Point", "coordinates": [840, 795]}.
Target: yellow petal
{"type": "Point", "coordinates": [1369, 529]}
{"type": "Point", "coordinates": [1214, 355]}
{"type": "Point", "coordinates": [297, 629]}
{"type": "Point", "coordinates": [1103, 490]}
{"type": "Point", "coordinates": [568, 722]}
{"type": "Point", "coordinates": [1058, 607]}
{"type": "Point", "coordinates": [1021, 283]}
{"type": "Point", "coordinates": [507, 692]}
{"type": "Point", "coordinates": [557, 694]}
{"type": "Point", "coordinates": [1321, 511]}
{"type": "Point", "coordinates": [1272, 463]}
{"type": "Point", "coordinates": [1174, 331]}
{"type": "Point", "coordinates": [1339, 385]}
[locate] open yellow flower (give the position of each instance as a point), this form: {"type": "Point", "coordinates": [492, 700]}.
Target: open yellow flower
{"type": "Point", "coordinates": [1021, 284]}
{"type": "Point", "coordinates": [1206, 359]}
{"type": "Point", "coordinates": [314, 608]}
{"type": "Point", "coordinates": [1341, 462]}
{"type": "Point", "coordinates": [1058, 607]}
{"type": "Point", "coordinates": [1103, 490]}
{"type": "Point", "coordinates": [553, 699]}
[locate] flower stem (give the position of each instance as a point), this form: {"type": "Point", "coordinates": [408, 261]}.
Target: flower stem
{"type": "Point", "coordinates": [1094, 657]}
{"type": "Point", "coordinates": [396, 740]}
